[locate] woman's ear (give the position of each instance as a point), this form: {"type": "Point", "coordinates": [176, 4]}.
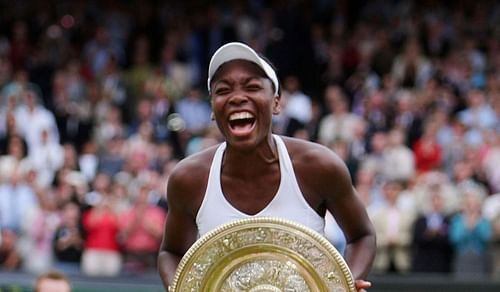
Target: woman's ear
{"type": "Point", "coordinates": [277, 105]}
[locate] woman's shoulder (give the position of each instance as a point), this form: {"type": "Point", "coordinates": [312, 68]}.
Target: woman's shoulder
{"type": "Point", "coordinates": [188, 180]}
{"type": "Point", "coordinates": [311, 153]}
{"type": "Point", "coordinates": [195, 165]}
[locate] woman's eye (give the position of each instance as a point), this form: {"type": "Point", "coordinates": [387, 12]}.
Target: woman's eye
{"type": "Point", "coordinates": [221, 91]}
{"type": "Point", "coordinates": [253, 87]}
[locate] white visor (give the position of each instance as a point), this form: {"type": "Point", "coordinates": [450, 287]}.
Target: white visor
{"type": "Point", "coordinates": [240, 51]}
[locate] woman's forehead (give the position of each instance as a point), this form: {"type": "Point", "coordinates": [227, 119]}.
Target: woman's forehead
{"type": "Point", "coordinates": [238, 66]}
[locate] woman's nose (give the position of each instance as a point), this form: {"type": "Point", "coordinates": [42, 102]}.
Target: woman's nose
{"type": "Point", "coordinates": [238, 97]}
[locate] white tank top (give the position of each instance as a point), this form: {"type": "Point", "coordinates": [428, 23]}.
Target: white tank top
{"type": "Point", "coordinates": [288, 202]}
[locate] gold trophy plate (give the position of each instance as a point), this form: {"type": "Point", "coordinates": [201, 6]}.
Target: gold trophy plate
{"type": "Point", "coordinates": [262, 255]}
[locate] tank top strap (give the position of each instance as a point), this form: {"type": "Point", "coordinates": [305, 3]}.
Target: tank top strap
{"type": "Point", "coordinates": [287, 171]}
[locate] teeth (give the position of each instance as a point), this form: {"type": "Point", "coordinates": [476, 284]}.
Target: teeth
{"type": "Point", "coordinates": [240, 116]}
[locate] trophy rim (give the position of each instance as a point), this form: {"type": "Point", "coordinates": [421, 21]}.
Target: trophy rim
{"type": "Point", "coordinates": [279, 223]}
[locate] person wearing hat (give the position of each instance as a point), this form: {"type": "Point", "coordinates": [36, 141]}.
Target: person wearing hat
{"type": "Point", "coordinates": [257, 173]}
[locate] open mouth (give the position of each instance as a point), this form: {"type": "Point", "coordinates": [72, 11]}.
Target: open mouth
{"type": "Point", "coordinates": [241, 123]}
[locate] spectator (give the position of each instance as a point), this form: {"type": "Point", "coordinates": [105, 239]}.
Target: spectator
{"type": "Point", "coordinates": [376, 112]}
{"type": "Point", "coordinates": [140, 148]}
{"type": "Point", "coordinates": [477, 116]}
{"type": "Point", "coordinates": [140, 70]}
{"type": "Point", "coordinates": [70, 104]}
{"type": "Point", "coordinates": [14, 156]}
{"type": "Point", "coordinates": [35, 118]}
{"type": "Point", "coordinates": [112, 157]}
{"type": "Point", "coordinates": [47, 158]}
{"type": "Point", "coordinates": [9, 130]}
{"type": "Point", "coordinates": [100, 189]}
{"type": "Point", "coordinates": [12, 91]}
{"type": "Point", "coordinates": [339, 123]}
{"type": "Point", "coordinates": [141, 231]}
{"type": "Point", "coordinates": [470, 234]}
{"type": "Point", "coordinates": [432, 252]}
{"type": "Point", "coordinates": [17, 198]}
{"type": "Point", "coordinates": [464, 181]}
{"type": "Point", "coordinates": [68, 239]}
{"type": "Point", "coordinates": [411, 69]}
{"type": "Point", "coordinates": [113, 84]}
{"type": "Point", "coordinates": [297, 105]}
{"type": "Point", "coordinates": [428, 153]}
{"type": "Point", "coordinates": [375, 159]}
{"type": "Point", "coordinates": [144, 113]}
{"type": "Point", "coordinates": [110, 127]}
{"type": "Point", "coordinates": [163, 155]}
{"type": "Point", "coordinates": [39, 226]}
{"type": "Point", "coordinates": [451, 138]}
{"type": "Point", "coordinates": [195, 111]}
{"type": "Point", "coordinates": [368, 190]}
{"type": "Point", "coordinates": [99, 50]}
{"type": "Point", "coordinates": [10, 259]}
{"type": "Point", "coordinates": [408, 116]}
{"type": "Point", "coordinates": [52, 281]}
{"type": "Point", "coordinates": [101, 254]}
{"type": "Point", "coordinates": [181, 75]}
{"type": "Point", "coordinates": [88, 161]}
{"type": "Point", "coordinates": [399, 163]}
{"type": "Point", "coordinates": [393, 226]}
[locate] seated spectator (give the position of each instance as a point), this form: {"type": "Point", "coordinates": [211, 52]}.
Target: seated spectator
{"type": "Point", "coordinates": [195, 111]}
{"type": "Point", "coordinates": [374, 161]}
{"type": "Point", "coordinates": [47, 158]}
{"type": "Point", "coordinates": [298, 105]}
{"type": "Point", "coordinates": [33, 118]}
{"type": "Point", "coordinates": [17, 198]}
{"type": "Point", "coordinates": [39, 225]}
{"type": "Point", "coordinates": [88, 161]}
{"type": "Point", "coordinates": [470, 233]}
{"type": "Point", "coordinates": [393, 226]}
{"type": "Point", "coordinates": [68, 239]}
{"type": "Point", "coordinates": [141, 231]}
{"type": "Point", "coordinates": [411, 68]}
{"type": "Point", "coordinates": [399, 161]}
{"type": "Point", "coordinates": [9, 257]}
{"type": "Point", "coordinates": [15, 155]}
{"type": "Point", "coordinates": [427, 151]}
{"type": "Point", "coordinates": [477, 116]}
{"type": "Point", "coordinates": [432, 252]}
{"type": "Point", "coordinates": [212, 136]}
{"type": "Point", "coordinates": [339, 123]}
{"type": "Point", "coordinates": [52, 281]}
{"type": "Point", "coordinates": [9, 131]}
{"type": "Point", "coordinates": [112, 158]}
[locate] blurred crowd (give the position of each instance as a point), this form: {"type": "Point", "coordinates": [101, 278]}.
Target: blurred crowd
{"type": "Point", "coordinates": [100, 99]}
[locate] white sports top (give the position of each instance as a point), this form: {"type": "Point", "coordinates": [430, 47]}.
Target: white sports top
{"type": "Point", "coordinates": [288, 203]}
